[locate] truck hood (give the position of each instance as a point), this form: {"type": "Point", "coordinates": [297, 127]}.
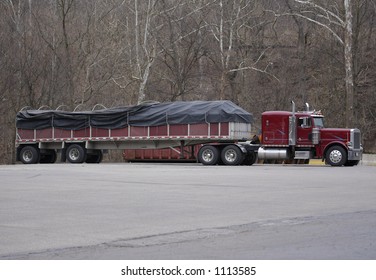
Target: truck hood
{"type": "Point", "coordinates": [335, 134]}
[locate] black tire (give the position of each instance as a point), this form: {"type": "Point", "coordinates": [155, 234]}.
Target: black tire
{"type": "Point", "coordinates": [250, 159]}
{"type": "Point", "coordinates": [232, 155]}
{"type": "Point", "coordinates": [63, 157]}
{"type": "Point", "coordinates": [49, 157]}
{"type": "Point", "coordinates": [336, 156]}
{"type": "Point", "coordinates": [76, 153]}
{"type": "Point", "coordinates": [29, 155]}
{"type": "Point", "coordinates": [208, 155]}
{"type": "Point", "coordinates": [95, 157]}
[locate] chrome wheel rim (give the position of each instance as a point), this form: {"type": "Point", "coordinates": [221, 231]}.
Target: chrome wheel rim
{"type": "Point", "coordinates": [27, 156]}
{"type": "Point", "coordinates": [207, 155]}
{"type": "Point", "coordinates": [335, 156]}
{"type": "Point", "coordinates": [74, 154]}
{"type": "Point", "coordinates": [230, 155]}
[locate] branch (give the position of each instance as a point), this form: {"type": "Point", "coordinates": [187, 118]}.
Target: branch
{"type": "Point", "coordinates": [320, 24]}
{"type": "Point", "coordinates": [264, 71]}
{"type": "Point", "coordinates": [313, 21]}
{"type": "Point", "coordinates": [325, 11]}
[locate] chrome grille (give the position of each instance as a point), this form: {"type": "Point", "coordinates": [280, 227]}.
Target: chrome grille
{"type": "Point", "coordinates": [356, 138]}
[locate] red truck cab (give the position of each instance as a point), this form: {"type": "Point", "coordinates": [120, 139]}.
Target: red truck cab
{"type": "Point", "coordinates": [302, 135]}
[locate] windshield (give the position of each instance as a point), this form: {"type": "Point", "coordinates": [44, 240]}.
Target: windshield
{"type": "Point", "coordinates": [318, 122]}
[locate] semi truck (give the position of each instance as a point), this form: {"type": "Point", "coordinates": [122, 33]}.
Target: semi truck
{"type": "Point", "coordinates": [221, 128]}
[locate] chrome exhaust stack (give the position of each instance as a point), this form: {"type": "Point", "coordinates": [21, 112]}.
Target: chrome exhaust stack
{"type": "Point", "coordinates": [292, 126]}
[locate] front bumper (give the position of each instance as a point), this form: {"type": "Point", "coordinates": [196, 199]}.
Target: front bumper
{"type": "Point", "coordinates": [355, 154]}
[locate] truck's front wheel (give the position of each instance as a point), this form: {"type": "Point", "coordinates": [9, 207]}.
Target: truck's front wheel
{"type": "Point", "coordinates": [76, 153]}
{"type": "Point", "coordinates": [208, 155]}
{"type": "Point", "coordinates": [336, 156]}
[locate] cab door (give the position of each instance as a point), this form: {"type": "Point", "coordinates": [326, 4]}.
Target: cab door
{"type": "Point", "coordinates": [304, 131]}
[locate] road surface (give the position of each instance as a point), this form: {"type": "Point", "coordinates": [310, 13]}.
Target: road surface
{"type": "Point", "coordinates": [187, 211]}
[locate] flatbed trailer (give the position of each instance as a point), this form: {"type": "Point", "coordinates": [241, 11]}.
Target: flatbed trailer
{"type": "Point", "coordinates": [82, 136]}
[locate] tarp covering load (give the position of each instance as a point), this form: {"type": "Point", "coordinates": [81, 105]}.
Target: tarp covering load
{"type": "Point", "coordinates": [151, 114]}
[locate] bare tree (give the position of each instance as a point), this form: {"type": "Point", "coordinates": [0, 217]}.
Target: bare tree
{"type": "Point", "coordinates": [145, 46]}
{"type": "Point", "coordinates": [132, 25]}
{"type": "Point", "coordinates": [258, 53]}
{"type": "Point", "coordinates": [223, 28]}
{"type": "Point", "coordinates": [180, 41]}
{"type": "Point", "coordinates": [349, 63]}
{"type": "Point", "coordinates": [230, 27]}
{"type": "Point", "coordinates": [328, 16]}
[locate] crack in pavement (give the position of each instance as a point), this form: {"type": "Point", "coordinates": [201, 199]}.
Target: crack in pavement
{"type": "Point", "coordinates": [181, 236]}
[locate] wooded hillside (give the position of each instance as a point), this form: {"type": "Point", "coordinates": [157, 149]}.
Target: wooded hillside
{"type": "Point", "coordinates": [260, 54]}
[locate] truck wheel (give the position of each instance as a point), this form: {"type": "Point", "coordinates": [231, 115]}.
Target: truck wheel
{"type": "Point", "coordinates": [250, 159]}
{"type": "Point", "coordinates": [336, 156]}
{"type": "Point", "coordinates": [29, 155]}
{"type": "Point", "coordinates": [76, 154]}
{"type": "Point", "coordinates": [208, 155]}
{"type": "Point", "coordinates": [232, 155]}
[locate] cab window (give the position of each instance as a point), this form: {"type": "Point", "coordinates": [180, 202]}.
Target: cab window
{"type": "Point", "coordinates": [318, 122]}
{"type": "Point", "coordinates": [305, 122]}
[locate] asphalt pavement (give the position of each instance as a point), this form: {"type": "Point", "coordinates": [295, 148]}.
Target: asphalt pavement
{"type": "Point", "coordinates": [187, 211]}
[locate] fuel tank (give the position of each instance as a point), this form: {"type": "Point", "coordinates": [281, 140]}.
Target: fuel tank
{"type": "Point", "coordinates": [272, 153]}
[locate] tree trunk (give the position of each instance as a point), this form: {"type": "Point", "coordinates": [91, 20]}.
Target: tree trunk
{"type": "Point", "coordinates": [349, 65]}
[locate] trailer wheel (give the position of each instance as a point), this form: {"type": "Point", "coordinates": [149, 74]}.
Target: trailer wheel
{"type": "Point", "coordinates": [208, 155]}
{"type": "Point", "coordinates": [95, 157]}
{"type": "Point", "coordinates": [29, 155]}
{"type": "Point", "coordinates": [49, 157]}
{"type": "Point", "coordinates": [76, 153]}
{"type": "Point", "coordinates": [232, 155]}
{"type": "Point", "coordinates": [336, 156]}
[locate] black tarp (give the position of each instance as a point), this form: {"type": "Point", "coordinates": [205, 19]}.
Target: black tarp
{"type": "Point", "coordinates": [152, 114]}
